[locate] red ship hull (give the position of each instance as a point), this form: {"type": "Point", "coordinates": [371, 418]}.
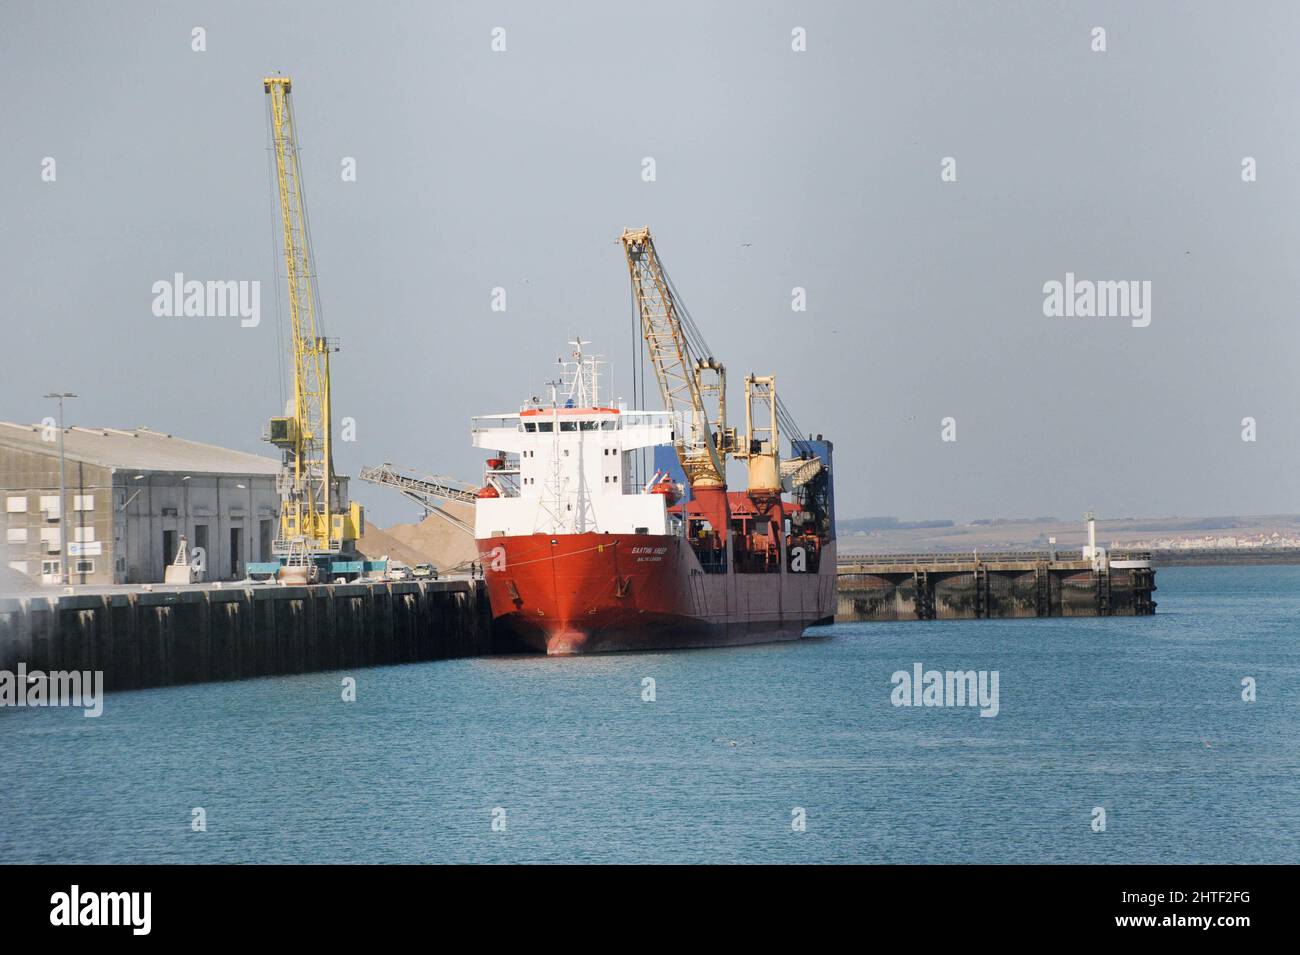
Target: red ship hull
{"type": "Point", "coordinates": [588, 593]}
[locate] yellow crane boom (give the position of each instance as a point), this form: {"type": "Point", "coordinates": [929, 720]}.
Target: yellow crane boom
{"type": "Point", "coordinates": [677, 371]}
{"type": "Point", "coordinates": [702, 444]}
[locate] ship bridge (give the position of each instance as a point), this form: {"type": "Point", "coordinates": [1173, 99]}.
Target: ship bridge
{"type": "Point", "coordinates": [566, 466]}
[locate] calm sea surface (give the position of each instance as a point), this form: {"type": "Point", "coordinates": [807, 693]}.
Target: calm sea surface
{"type": "Point", "coordinates": [1140, 716]}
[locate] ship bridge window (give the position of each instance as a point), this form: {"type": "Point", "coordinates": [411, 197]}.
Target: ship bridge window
{"type": "Point", "coordinates": [589, 425]}
{"type": "Point", "coordinates": [544, 426]}
{"type": "Point", "coordinates": [530, 426]}
{"type": "Point", "coordinates": [609, 424]}
{"type": "Point", "coordinates": [568, 426]}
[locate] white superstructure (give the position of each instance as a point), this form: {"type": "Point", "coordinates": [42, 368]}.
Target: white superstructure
{"type": "Point", "coordinates": [566, 466]}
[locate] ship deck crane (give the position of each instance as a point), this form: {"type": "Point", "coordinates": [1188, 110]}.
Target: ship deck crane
{"type": "Point", "coordinates": [687, 382]}
{"type": "Point", "coordinates": [318, 528]}
{"type": "Point", "coordinates": [702, 442]}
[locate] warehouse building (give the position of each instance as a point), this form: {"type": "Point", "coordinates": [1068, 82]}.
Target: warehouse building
{"type": "Point", "coordinates": [130, 497]}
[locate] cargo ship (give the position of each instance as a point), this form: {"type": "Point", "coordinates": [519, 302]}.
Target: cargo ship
{"type": "Point", "coordinates": [581, 555]}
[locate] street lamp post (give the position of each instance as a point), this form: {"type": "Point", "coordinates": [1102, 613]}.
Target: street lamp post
{"type": "Point", "coordinates": [63, 519]}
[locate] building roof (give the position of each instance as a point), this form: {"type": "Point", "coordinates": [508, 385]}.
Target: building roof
{"type": "Point", "coordinates": [139, 449]}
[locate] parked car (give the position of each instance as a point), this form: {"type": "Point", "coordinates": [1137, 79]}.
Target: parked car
{"type": "Point", "coordinates": [399, 572]}
{"type": "Point", "coordinates": [424, 572]}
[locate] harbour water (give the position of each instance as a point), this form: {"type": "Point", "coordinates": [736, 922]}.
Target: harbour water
{"type": "Point", "coordinates": [1140, 716]}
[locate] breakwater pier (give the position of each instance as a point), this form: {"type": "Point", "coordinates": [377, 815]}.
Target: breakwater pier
{"type": "Point", "coordinates": [971, 586]}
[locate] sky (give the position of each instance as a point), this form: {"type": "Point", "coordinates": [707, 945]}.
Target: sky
{"type": "Point", "coordinates": [775, 168]}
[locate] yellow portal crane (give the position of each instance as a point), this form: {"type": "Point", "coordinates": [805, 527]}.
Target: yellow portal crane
{"type": "Point", "coordinates": [315, 523]}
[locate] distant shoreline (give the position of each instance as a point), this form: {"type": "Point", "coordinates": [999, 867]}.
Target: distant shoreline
{"type": "Point", "coordinates": [1228, 557]}
{"type": "Point", "coordinates": [1180, 557]}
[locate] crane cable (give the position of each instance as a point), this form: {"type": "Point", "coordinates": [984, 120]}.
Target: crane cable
{"type": "Point", "coordinates": [275, 248]}
{"type": "Point", "coordinates": [317, 309]}
{"type": "Point", "coordinates": [638, 374]}
{"type": "Point", "coordinates": [695, 339]}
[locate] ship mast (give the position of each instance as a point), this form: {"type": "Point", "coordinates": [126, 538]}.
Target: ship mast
{"type": "Point", "coordinates": [552, 499]}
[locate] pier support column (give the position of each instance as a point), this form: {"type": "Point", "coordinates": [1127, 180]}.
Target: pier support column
{"type": "Point", "coordinates": [924, 595]}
